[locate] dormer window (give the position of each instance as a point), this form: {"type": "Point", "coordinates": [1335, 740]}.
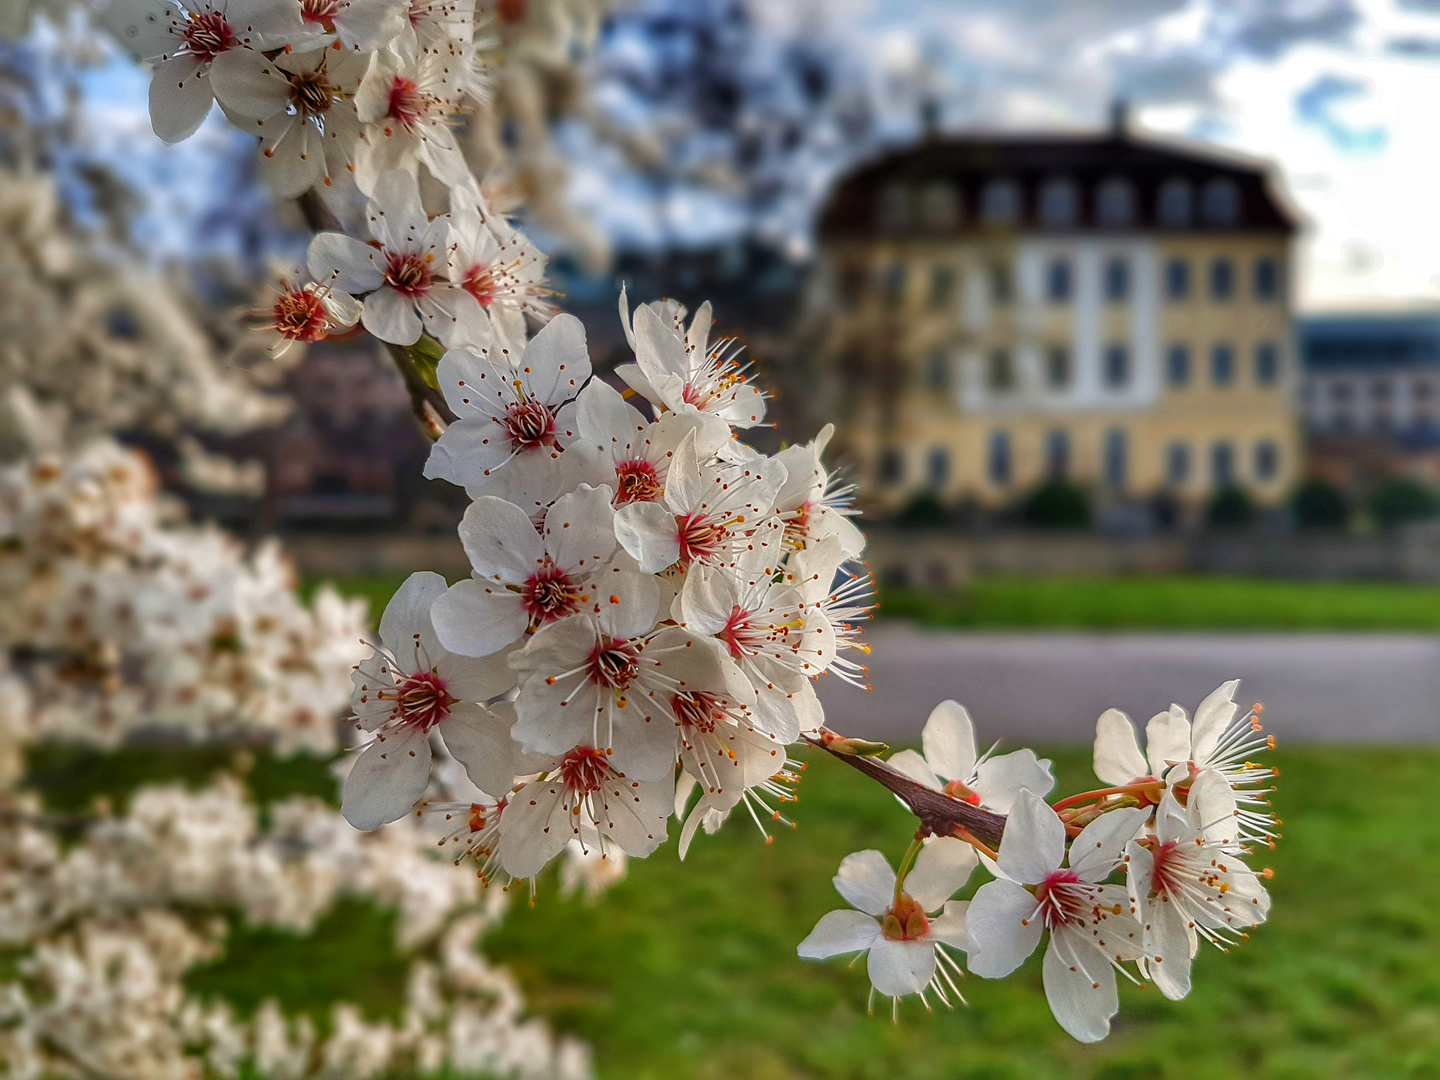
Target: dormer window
{"type": "Point", "coordinates": [1115, 202]}
{"type": "Point", "coordinates": [1059, 203]}
{"type": "Point", "coordinates": [894, 207]}
{"type": "Point", "coordinates": [939, 205]}
{"type": "Point", "coordinates": [1177, 202]}
{"type": "Point", "coordinates": [1000, 202]}
{"type": "Point", "coordinates": [1222, 202]}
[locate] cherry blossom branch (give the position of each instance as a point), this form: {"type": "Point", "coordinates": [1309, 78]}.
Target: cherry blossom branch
{"type": "Point", "coordinates": [415, 363]}
{"type": "Point", "coordinates": [939, 813]}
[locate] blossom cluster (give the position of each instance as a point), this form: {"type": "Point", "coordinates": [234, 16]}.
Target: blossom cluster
{"type": "Point", "coordinates": [123, 618]}
{"type": "Point", "coordinates": [1173, 823]}
{"type": "Point", "coordinates": [647, 592]}
{"type": "Point", "coordinates": [106, 928]}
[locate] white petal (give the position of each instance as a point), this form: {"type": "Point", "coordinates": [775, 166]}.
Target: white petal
{"type": "Point", "coordinates": [500, 541]}
{"type": "Point", "coordinates": [998, 780]}
{"type": "Point", "coordinates": [1169, 946]}
{"type": "Point", "coordinates": [607, 419]}
{"type": "Point", "coordinates": [180, 98]}
{"type": "Point", "coordinates": [1167, 740]}
{"type": "Point", "coordinates": [911, 764]}
{"type": "Point", "coordinates": [636, 814]}
{"type": "Point", "coordinates": [648, 533]}
{"type": "Point", "coordinates": [1211, 719]}
{"type": "Point", "coordinates": [940, 871]}
{"type": "Point", "coordinates": [580, 529]}
{"type": "Point", "coordinates": [1080, 986]}
{"type": "Point", "coordinates": [344, 262]}
{"type": "Point", "coordinates": [867, 882]}
{"type": "Point", "coordinates": [628, 602]}
{"type": "Point", "coordinates": [468, 454]}
{"type": "Point", "coordinates": [249, 88]}
{"type": "Point", "coordinates": [477, 619]}
{"type": "Point", "coordinates": [839, 932]}
{"type": "Point", "coordinates": [901, 967]}
{"type": "Point", "coordinates": [1117, 753]}
{"type": "Point", "coordinates": [408, 614]}
{"type": "Point", "coordinates": [1096, 852]}
{"type": "Point", "coordinates": [949, 741]}
{"type": "Point", "coordinates": [533, 829]}
{"type": "Point", "coordinates": [391, 317]}
{"type": "Point", "coordinates": [1033, 842]}
{"type": "Point", "coordinates": [387, 779]}
{"type": "Point", "coordinates": [556, 359]}
{"type": "Point", "coordinates": [480, 740]}
{"type": "Point", "coordinates": [951, 926]}
{"type": "Point", "coordinates": [1003, 928]}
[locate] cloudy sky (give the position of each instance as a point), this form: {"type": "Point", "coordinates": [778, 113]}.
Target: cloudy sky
{"type": "Point", "coordinates": [1341, 94]}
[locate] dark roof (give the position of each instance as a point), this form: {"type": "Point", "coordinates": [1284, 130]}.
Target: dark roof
{"type": "Point", "coordinates": [968, 164]}
{"type": "Point", "coordinates": [1361, 342]}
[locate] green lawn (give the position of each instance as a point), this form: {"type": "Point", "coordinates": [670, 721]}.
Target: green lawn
{"type": "Point", "coordinates": [690, 970]}
{"type": "Point", "coordinates": [1130, 603]}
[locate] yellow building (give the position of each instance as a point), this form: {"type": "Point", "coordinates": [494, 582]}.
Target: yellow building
{"type": "Point", "coordinates": [995, 312]}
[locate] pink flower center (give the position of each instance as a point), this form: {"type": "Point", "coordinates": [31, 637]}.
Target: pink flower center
{"type": "Point", "coordinates": [701, 537]}
{"type": "Point", "coordinates": [423, 700]}
{"type": "Point", "coordinates": [530, 424]}
{"type": "Point", "coordinates": [637, 481]}
{"type": "Point", "coordinates": [1061, 898]}
{"type": "Point", "coordinates": [480, 284]}
{"type": "Point", "coordinates": [408, 273]}
{"type": "Point", "coordinates": [697, 710]}
{"type": "Point", "coordinates": [312, 93]}
{"type": "Point", "coordinates": [584, 770]}
{"type": "Point", "coordinates": [300, 315]}
{"type": "Point", "coordinates": [207, 35]}
{"type": "Point", "coordinates": [905, 921]}
{"type": "Point", "coordinates": [408, 103]}
{"type": "Point", "coordinates": [613, 664]}
{"type": "Point", "coordinates": [740, 636]}
{"type": "Point", "coordinates": [320, 11]}
{"type": "Point", "coordinates": [549, 594]}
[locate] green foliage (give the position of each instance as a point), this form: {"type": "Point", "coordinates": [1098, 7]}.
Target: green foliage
{"type": "Point", "coordinates": [691, 971]}
{"type": "Point", "coordinates": [1318, 505]}
{"type": "Point", "coordinates": [1056, 504]}
{"type": "Point", "coordinates": [1230, 508]}
{"type": "Point", "coordinates": [922, 511]}
{"type": "Point", "coordinates": [1172, 603]}
{"type": "Point", "coordinates": [1402, 500]}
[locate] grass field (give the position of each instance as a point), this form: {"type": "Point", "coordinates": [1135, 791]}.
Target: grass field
{"type": "Point", "coordinates": [1132, 603]}
{"type": "Point", "coordinates": [689, 970]}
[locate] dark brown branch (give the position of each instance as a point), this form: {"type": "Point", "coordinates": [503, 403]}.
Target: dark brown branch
{"type": "Point", "coordinates": [938, 813]}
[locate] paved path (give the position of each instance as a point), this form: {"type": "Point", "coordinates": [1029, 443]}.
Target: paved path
{"type": "Point", "coordinates": [1051, 687]}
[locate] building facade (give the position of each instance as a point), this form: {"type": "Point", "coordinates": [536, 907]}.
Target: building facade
{"type": "Point", "coordinates": [1370, 395]}
{"type": "Point", "coordinates": [991, 313]}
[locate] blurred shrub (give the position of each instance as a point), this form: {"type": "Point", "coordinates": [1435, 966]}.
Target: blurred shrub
{"type": "Point", "coordinates": [921, 511]}
{"type": "Point", "coordinates": [1056, 504]}
{"type": "Point", "coordinates": [1230, 508]}
{"type": "Point", "coordinates": [1398, 501]}
{"type": "Point", "coordinates": [1318, 505]}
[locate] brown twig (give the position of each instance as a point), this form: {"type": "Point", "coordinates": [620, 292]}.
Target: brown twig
{"type": "Point", "coordinates": [938, 813]}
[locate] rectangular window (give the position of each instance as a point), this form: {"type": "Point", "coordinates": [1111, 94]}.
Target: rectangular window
{"type": "Point", "coordinates": [1222, 279]}
{"type": "Point", "coordinates": [1177, 463]}
{"type": "Point", "coordinates": [937, 467]}
{"type": "Point", "coordinates": [1267, 279]}
{"type": "Point", "coordinates": [1057, 367]}
{"type": "Point", "coordinates": [942, 286]}
{"type": "Point", "coordinates": [1267, 364]}
{"type": "Point", "coordinates": [937, 370]}
{"type": "Point", "coordinates": [891, 467]}
{"type": "Point", "coordinates": [892, 283]}
{"type": "Point", "coordinates": [998, 464]}
{"type": "Point", "coordinates": [1177, 279]}
{"type": "Point", "coordinates": [1222, 365]}
{"type": "Point", "coordinates": [1115, 458]}
{"type": "Point", "coordinates": [1001, 289]}
{"type": "Point", "coordinates": [852, 284]}
{"type": "Point", "coordinates": [1117, 366]}
{"type": "Point", "coordinates": [1177, 365]}
{"type": "Point", "coordinates": [1222, 464]}
{"type": "Point", "coordinates": [1267, 460]}
{"type": "Point", "coordinates": [1057, 455]}
{"type": "Point", "coordinates": [1117, 280]}
{"type": "Point", "coordinates": [1057, 281]}
{"type": "Point", "coordinates": [1000, 372]}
